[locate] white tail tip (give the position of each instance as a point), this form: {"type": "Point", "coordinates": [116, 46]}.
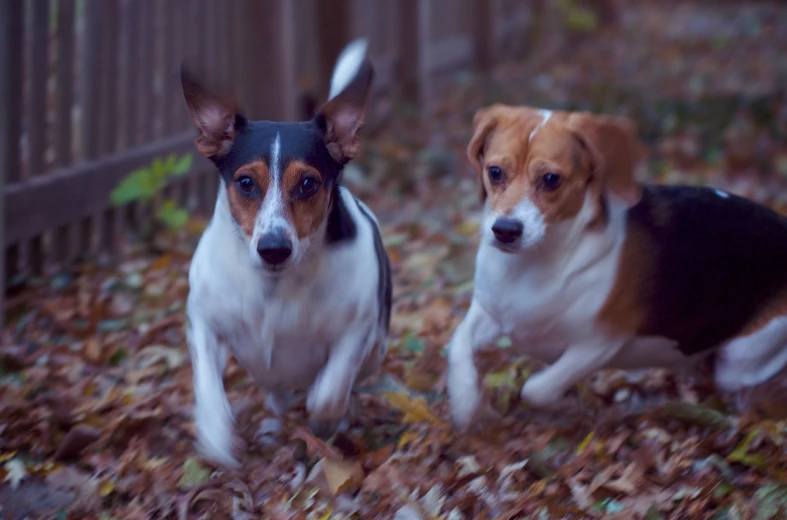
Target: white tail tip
{"type": "Point", "coordinates": [347, 65]}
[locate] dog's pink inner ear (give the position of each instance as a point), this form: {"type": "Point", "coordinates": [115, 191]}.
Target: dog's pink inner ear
{"type": "Point", "coordinates": [213, 117]}
{"type": "Point", "coordinates": [344, 115]}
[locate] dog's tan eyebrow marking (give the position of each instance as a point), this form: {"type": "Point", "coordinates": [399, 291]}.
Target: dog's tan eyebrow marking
{"type": "Point", "coordinates": [546, 115]}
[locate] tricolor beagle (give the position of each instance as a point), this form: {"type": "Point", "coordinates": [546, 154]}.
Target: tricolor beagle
{"type": "Point", "coordinates": [584, 268]}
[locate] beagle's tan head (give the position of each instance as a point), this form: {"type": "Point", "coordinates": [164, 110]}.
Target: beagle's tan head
{"type": "Point", "coordinates": [540, 169]}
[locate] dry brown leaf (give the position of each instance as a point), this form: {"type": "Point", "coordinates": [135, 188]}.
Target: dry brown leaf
{"type": "Point", "coordinates": [342, 475]}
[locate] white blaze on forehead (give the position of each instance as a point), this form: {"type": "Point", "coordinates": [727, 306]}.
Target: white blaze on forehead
{"type": "Point", "coordinates": [347, 65]}
{"type": "Point", "coordinates": [545, 117]}
{"type": "Point", "coordinates": [275, 166]}
{"type": "Point", "coordinates": [270, 214]}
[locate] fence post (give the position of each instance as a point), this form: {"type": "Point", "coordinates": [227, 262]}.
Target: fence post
{"type": "Point", "coordinates": [334, 20]}
{"type": "Point", "coordinates": [268, 80]}
{"type": "Point", "coordinates": [414, 66]}
{"type": "Point", "coordinates": [11, 26]}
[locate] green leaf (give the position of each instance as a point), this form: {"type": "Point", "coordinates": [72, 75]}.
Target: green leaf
{"type": "Point", "coordinates": [503, 342]}
{"type": "Point", "coordinates": [501, 379]}
{"type": "Point", "coordinates": [193, 474]}
{"type": "Point", "coordinates": [183, 166]}
{"type": "Point", "coordinates": [159, 169]}
{"type": "Point", "coordinates": [171, 215]}
{"type": "Point", "coordinates": [414, 344]}
{"type": "Point", "coordinates": [739, 453]}
{"type": "Point", "coordinates": [138, 185]}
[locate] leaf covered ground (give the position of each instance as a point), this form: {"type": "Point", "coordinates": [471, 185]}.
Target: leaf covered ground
{"type": "Point", "coordinates": [96, 398]}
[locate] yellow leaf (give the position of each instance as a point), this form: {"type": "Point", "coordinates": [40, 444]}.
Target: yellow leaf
{"type": "Point", "coordinates": [415, 410]}
{"type": "Point", "coordinates": [327, 514]}
{"type": "Point", "coordinates": [342, 475]}
{"type": "Point", "coordinates": [538, 487]}
{"type": "Point", "coordinates": [406, 437]}
{"type": "Point", "coordinates": [585, 442]}
{"type": "Point", "coordinates": [106, 488]}
{"type": "Point", "coordinates": [469, 227]}
{"type": "Point", "coordinates": [7, 456]}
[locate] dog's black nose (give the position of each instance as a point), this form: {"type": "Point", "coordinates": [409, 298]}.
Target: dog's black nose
{"type": "Point", "coordinates": [507, 230]}
{"type": "Point", "coordinates": [274, 248]}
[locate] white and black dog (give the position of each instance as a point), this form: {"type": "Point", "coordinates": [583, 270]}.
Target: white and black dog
{"type": "Point", "coordinates": [291, 275]}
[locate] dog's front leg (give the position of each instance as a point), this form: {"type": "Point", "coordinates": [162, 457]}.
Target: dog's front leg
{"type": "Point", "coordinates": [212, 413]}
{"type": "Point", "coordinates": [329, 397]}
{"type": "Point", "coordinates": [477, 330]}
{"type": "Point", "coordinates": [547, 387]}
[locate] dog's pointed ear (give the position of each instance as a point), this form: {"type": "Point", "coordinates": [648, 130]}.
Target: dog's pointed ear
{"type": "Point", "coordinates": [612, 142]}
{"type": "Point", "coordinates": [484, 122]}
{"type": "Point", "coordinates": [214, 114]}
{"type": "Point", "coordinates": [342, 116]}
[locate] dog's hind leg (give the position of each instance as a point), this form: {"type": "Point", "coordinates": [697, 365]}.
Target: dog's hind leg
{"type": "Point", "coordinates": [753, 359]}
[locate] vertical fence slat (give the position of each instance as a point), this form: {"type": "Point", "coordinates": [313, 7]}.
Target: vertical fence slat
{"type": "Point", "coordinates": [146, 118]}
{"type": "Point", "coordinates": [91, 79]}
{"type": "Point", "coordinates": [269, 30]}
{"type": "Point", "coordinates": [39, 69]}
{"type": "Point", "coordinates": [61, 245]}
{"type": "Point", "coordinates": [130, 53]}
{"type": "Point", "coordinates": [173, 36]}
{"type": "Point", "coordinates": [65, 82]}
{"type": "Point", "coordinates": [11, 27]}
{"type": "Point", "coordinates": [84, 240]}
{"type": "Point", "coordinates": [36, 113]}
{"type": "Point", "coordinates": [11, 37]}
{"type": "Point", "coordinates": [110, 59]}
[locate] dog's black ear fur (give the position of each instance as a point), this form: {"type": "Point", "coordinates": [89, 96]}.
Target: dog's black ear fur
{"type": "Point", "coordinates": [342, 116]}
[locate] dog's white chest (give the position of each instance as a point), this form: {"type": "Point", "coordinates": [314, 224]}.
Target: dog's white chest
{"type": "Point", "coordinates": [548, 307]}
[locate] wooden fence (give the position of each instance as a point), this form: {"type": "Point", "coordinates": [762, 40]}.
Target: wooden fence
{"type": "Point", "coordinates": [89, 92]}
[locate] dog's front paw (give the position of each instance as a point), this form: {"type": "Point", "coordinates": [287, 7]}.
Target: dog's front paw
{"type": "Point", "coordinates": [537, 392]}
{"type": "Point", "coordinates": [217, 440]}
{"type": "Point", "coordinates": [327, 404]}
{"type": "Point", "coordinates": [464, 395]}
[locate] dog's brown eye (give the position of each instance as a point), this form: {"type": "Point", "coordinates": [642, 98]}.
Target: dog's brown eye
{"type": "Point", "coordinates": [496, 175]}
{"type": "Point", "coordinates": [550, 181]}
{"type": "Point", "coordinates": [245, 184]}
{"type": "Point", "coordinates": [308, 187]}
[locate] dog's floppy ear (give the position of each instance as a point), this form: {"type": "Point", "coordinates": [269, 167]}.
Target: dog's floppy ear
{"type": "Point", "coordinates": [214, 114]}
{"type": "Point", "coordinates": [612, 142]}
{"type": "Point", "coordinates": [484, 121]}
{"type": "Point", "coordinates": [342, 116]}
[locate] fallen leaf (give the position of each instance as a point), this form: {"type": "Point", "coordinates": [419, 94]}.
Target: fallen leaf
{"type": "Point", "coordinates": [415, 410]}
{"type": "Point", "coordinates": [15, 472]}
{"type": "Point", "coordinates": [194, 473]}
{"type": "Point", "coordinates": [342, 475]}
{"type": "Point", "coordinates": [77, 439]}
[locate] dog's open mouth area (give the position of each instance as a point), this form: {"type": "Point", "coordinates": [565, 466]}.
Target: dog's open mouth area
{"type": "Point", "coordinates": [96, 385]}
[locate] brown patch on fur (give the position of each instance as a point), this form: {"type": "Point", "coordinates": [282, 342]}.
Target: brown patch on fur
{"type": "Point", "coordinates": [777, 308]}
{"type": "Point", "coordinates": [615, 141]}
{"type": "Point", "coordinates": [306, 214]}
{"type": "Point", "coordinates": [624, 309]}
{"type": "Point", "coordinates": [244, 208]}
